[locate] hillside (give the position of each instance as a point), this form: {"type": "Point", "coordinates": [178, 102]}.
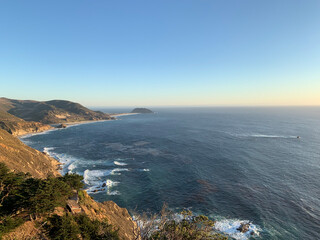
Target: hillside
{"type": "Point", "coordinates": [50, 112]}
{"type": "Point", "coordinates": [21, 158]}
{"type": "Point", "coordinates": [17, 126]}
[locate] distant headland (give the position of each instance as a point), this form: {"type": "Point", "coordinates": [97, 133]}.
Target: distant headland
{"type": "Point", "coordinates": [141, 110]}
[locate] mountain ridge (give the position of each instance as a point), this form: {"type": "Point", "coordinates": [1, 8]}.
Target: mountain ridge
{"type": "Point", "coordinates": [50, 112]}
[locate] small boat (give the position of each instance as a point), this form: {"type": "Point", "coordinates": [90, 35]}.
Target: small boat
{"type": "Point", "coordinates": [298, 136]}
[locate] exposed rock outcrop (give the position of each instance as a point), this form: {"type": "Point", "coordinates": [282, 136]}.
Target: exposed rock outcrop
{"type": "Point", "coordinates": [115, 215]}
{"type": "Point", "coordinates": [141, 110]}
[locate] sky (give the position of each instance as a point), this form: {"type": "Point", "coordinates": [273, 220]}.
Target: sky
{"type": "Point", "coordinates": [161, 53]}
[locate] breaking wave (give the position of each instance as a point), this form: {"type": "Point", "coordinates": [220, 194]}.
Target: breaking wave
{"type": "Point", "coordinates": [264, 136]}
{"type": "Point", "coordinates": [120, 163]}
{"type": "Point", "coordinates": [230, 227]}
{"type": "Point", "coordinates": [117, 171]}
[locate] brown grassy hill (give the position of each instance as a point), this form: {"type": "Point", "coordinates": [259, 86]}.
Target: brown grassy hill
{"type": "Point", "coordinates": [21, 158]}
{"type": "Point", "coordinates": [17, 126]}
{"type": "Point", "coordinates": [50, 112]}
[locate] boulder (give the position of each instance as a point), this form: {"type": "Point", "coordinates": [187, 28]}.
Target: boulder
{"type": "Point", "coordinates": [244, 227]}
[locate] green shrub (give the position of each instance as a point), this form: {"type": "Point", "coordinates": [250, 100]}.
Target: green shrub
{"type": "Point", "coordinates": [7, 224]}
{"type": "Point", "coordinates": [71, 227]}
{"type": "Point", "coordinates": [73, 180]}
{"type": "Point", "coordinates": [63, 228]}
{"type": "Point", "coordinates": [167, 227]}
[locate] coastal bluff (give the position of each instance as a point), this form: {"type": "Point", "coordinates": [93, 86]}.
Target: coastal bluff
{"type": "Point", "coordinates": [22, 158]}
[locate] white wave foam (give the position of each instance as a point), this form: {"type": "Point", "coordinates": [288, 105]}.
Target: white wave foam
{"type": "Point", "coordinates": [117, 171]}
{"type": "Point", "coordinates": [145, 170]}
{"type": "Point", "coordinates": [230, 226]}
{"type": "Point", "coordinates": [39, 133]}
{"type": "Point", "coordinates": [264, 136]}
{"type": "Point", "coordinates": [92, 177]}
{"type": "Point", "coordinates": [48, 149]}
{"type": "Point", "coordinates": [104, 187]}
{"type": "Point", "coordinates": [120, 163]}
{"type": "Point", "coordinates": [113, 193]}
{"type": "Point", "coordinates": [72, 166]}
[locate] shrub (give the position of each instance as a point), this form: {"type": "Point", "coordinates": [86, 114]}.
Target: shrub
{"type": "Point", "coordinates": [167, 227]}
{"type": "Point", "coordinates": [8, 223]}
{"type": "Point", "coordinates": [72, 227]}
{"type": "Point", "coordinates": [63, 228]}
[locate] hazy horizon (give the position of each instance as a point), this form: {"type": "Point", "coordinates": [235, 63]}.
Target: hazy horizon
{"type": "Point", "coordinates": [168, 53]}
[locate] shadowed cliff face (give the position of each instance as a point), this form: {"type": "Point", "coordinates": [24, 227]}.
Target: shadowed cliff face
{"type": "Point", "coordinates": [50, 112]}
{"type": "Point", "coordinates": [21, 158]}
{"type": "Point", "coordinates": [17, 126]}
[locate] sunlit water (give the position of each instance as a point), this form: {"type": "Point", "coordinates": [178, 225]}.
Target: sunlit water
{"type": "Point", "coordinates": [233, 164]}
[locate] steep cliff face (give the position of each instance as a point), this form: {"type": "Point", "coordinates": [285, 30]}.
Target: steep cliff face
{"type": "Point", "coordinates": [21, 158]}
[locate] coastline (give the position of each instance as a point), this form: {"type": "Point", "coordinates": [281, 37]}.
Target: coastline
{"type": "Point", "coordinates": [54, 126]}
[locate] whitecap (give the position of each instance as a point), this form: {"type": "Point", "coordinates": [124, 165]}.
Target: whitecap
{"type": "Point", "coordinates": [257, 135]}
{"type": "Point", "coordinates": [145, 170]}
{"type": "Point", "coordinates": [92, 177]}
{"type": "Point", "coordinates": [113, 193]}
{"type": "Point", "coordinates": [48, 149]}
{"type": "Point", "coordinates": [120, 163]}
{"type": "Point", "coordinates": [117, 171]}
{"type": "Point", "coordinates": [230, 228]}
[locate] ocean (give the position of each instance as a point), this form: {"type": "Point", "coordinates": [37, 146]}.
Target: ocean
{"type": "Point", "coordinates": [232, 164]}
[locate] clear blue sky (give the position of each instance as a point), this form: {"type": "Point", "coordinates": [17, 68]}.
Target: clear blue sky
{"type": "Point", "coordinates": [167, 52]}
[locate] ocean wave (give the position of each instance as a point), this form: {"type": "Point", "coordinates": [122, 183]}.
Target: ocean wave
{"type": "Point", "coordinates": [39, 133]}
{"type": "Point", "coordinates": [105, 186]}
{"type": "Point", "coordinates": [225, 226]}
{"type": "Point", "coordinates": [120, 163]}
{"type": "Point", "coordinates": [230, 228]}
{"type": "Point", "coordinates": [145, 170]}
{"type": "Point", "coordinates": [47, 150]}
{"type": "Point", "coordinates": [113, 193]}
{"type": "Point", "coordinates": [117, 171]}
{"type": "Point", "coordinates": [92, 177]}
{"type": "Point", "coordinates": [264, 136]}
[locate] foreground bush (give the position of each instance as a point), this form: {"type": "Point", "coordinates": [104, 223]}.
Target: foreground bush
{"type": "Point", "coordinates": [69, 227]}
{"type": "Point", "coordinates": [166, 226]}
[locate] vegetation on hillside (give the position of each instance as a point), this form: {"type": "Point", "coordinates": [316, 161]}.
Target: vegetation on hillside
{"type": "Point", "coordinates": [50, 112]}
{"type": "Point", "coordinates": [170, 226]}
{"type": "Point", "coordinates": [23, 198]}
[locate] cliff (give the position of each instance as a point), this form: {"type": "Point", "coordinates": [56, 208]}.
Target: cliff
{"type": "Point", "coordinates": [50, 112]}
{"type": "Point", "coordinates": [109, 210]}
{"type": "Point", "coordinates": [17, 126]}
{"type": "Point", "coordinates": [118, 217]}
{"type": "Point", "coordinates": [21, 158]}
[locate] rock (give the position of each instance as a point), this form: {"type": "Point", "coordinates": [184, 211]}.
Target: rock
{"type": "Point", "coordinates": [62, 126]}
{"type": "Point", "coordinates": [104, 184]}
{"type": "Point", "coordinates": [141, 110]}
{"type": "Point", "coordinates": [244, 227]}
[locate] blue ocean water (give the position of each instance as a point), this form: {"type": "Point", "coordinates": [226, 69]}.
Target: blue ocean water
{"type": "Point", "coordinates": [232, 164]}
